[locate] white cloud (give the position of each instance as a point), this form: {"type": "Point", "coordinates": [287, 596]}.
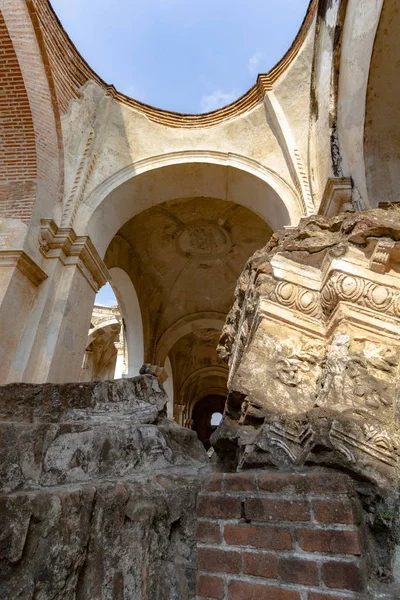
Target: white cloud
{"type": "Point", "coordinates": [217, 99]}
{"type": "Point", "coordinates": [254, 63]}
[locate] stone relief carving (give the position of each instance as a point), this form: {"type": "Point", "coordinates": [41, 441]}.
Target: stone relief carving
{"type": "Point", "coordinates": [204, 240]}
{"type": "Point", "coordinates": [300, 298]}
{"type": "Point", "coordinates": [360, 291]}
{"type": "Point", "coordinates": [381, 255]}
{"type": "Point", "coordinates": [313, 347]}
{"type": "Point", "coordinates": [290, 368]}
{"type": "Point", "coordinates": [335, 364]}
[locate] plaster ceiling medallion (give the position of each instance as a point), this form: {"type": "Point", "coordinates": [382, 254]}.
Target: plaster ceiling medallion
{"type": "Point", "coordinates": [204, 239]}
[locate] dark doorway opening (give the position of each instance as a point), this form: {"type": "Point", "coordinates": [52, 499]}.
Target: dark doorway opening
{"type": "Point", "coordinates": [205, 417]}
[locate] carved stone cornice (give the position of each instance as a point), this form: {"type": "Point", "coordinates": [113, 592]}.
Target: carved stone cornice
{"type": "Point", "coordinates": [350, 279]}
{"type": "Point", "coordinates": [63, 244]}
{"type": "Point", "coordinates": [24, 263]}
{"type": "Point", "coordinates": [336, 196]}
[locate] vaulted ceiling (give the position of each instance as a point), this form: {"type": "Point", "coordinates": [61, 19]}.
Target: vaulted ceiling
{"type": "Point", "coordinates": [184, 259]}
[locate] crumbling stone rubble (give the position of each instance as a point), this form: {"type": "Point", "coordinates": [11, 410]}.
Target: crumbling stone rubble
{"type": "Point", "coordinates": [97, 493]}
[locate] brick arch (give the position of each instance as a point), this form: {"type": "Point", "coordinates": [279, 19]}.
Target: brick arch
{"type": "Point", "coordinates": [18, 167]}
{"type": "Point", "coordinates": [31, 169]}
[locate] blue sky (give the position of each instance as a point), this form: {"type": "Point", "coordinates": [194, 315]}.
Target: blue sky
{"type": "Point", "coordinates": [185, 55]}
{"type": "Point", "coordinates": [189, 56]}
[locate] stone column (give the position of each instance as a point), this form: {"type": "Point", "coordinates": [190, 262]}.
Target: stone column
{"type": "Point", "coordinates": [120, 365]}
{"type": "Point", "coordinates": [20, 280]}
{"type": "Point", "coordinates": [179, 410]}
{"type": "Point", "coordinates": [54, 338]}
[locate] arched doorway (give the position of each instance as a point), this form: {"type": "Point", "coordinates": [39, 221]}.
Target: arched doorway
{"type": "Point", "coordinates": [131, 318]}
{"type": "Point", "coordinates": [205, 415]}
{"type": "Point", "coordinates": [101, 354]}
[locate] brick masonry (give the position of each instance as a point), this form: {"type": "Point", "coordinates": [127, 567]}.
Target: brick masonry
{"type": "Point", "coordinates": [279, 536]}
{"type": "Point", "coordinates": [17, 137]}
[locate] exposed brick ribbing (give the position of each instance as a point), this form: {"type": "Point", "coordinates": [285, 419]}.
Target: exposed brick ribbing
{"type": "Point", "coordinates": [69, 70]}
{"type": "Point", "coordinates": [280, 537]}
{"type": "Point", "coordinates": [18, 167]}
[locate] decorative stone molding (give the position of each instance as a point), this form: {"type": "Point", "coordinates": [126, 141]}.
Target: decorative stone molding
{"type": "Point", "coordinates": [381, 254]}
{"type": "Point", "coordinates": [83, 173]}
{"type": "Point", "coordinates": [298, 298]}
{"type": "Point", "coordinates": [204, 241]}
{"type": "Point", "coordinates": [313, 348]}
{"type": "Point", "coordinates": [63, 244]}
{"type": "Point", "coordinates": [336, 197]}
{"type": "Point", "coordinates": [24, 263]}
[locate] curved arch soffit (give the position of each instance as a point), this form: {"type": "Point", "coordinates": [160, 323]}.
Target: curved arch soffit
{"type": "Point", "coordinates": [132, 317]}
{"type": "Point", "coordinates": [20, 15]}
{"type": "Point", "coordinates": [202, 373]}
{"type": "Point", "coordinates": [381, 127]}
{"type": "Point", "coordinates": [185, 325]}
{"type": "Point", "coordinates": [85, 222]}
{"type": "Point", "coordinates": [213, 390]}
{"type": "Point", "coordinates": [359, 34]}
{"type": "Point", "coordinates": [104, 325]}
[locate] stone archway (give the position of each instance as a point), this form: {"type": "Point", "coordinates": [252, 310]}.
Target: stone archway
{"type": "Point", "coordinates": [100, 356]}
{"type": "Point", "coordinates": [143, 185]}
{"type": "Point", "coordinates": [182, 232]}
{"type": "Point", "coordinates": [131, 318]}
{"type": "Point", "coordinates": [183, 258]}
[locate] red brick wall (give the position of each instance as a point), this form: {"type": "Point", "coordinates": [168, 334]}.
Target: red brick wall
{"type": "Point", "coordinates": [278, 536]}
{"type": "Point", "coordinates": [17, 137]}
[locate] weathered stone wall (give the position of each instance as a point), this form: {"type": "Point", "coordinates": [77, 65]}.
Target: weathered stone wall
{"type": "Point", "coordinates": [97, 493]}
{"type": "Point", "coordinates": [101, 496]}
{"type": "Point", "coordinates": [110, 541]}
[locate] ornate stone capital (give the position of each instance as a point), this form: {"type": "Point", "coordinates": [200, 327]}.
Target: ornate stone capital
{"type": "Point", "coordinates": [313, 347]}
{"type": "Point", "coordinates": [63, 244]}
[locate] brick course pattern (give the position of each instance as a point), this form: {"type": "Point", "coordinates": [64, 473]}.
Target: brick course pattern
{"type": "Point", "coordinates": [279, 536]}
{"type": "Point", "coordinates": [18, 169]}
